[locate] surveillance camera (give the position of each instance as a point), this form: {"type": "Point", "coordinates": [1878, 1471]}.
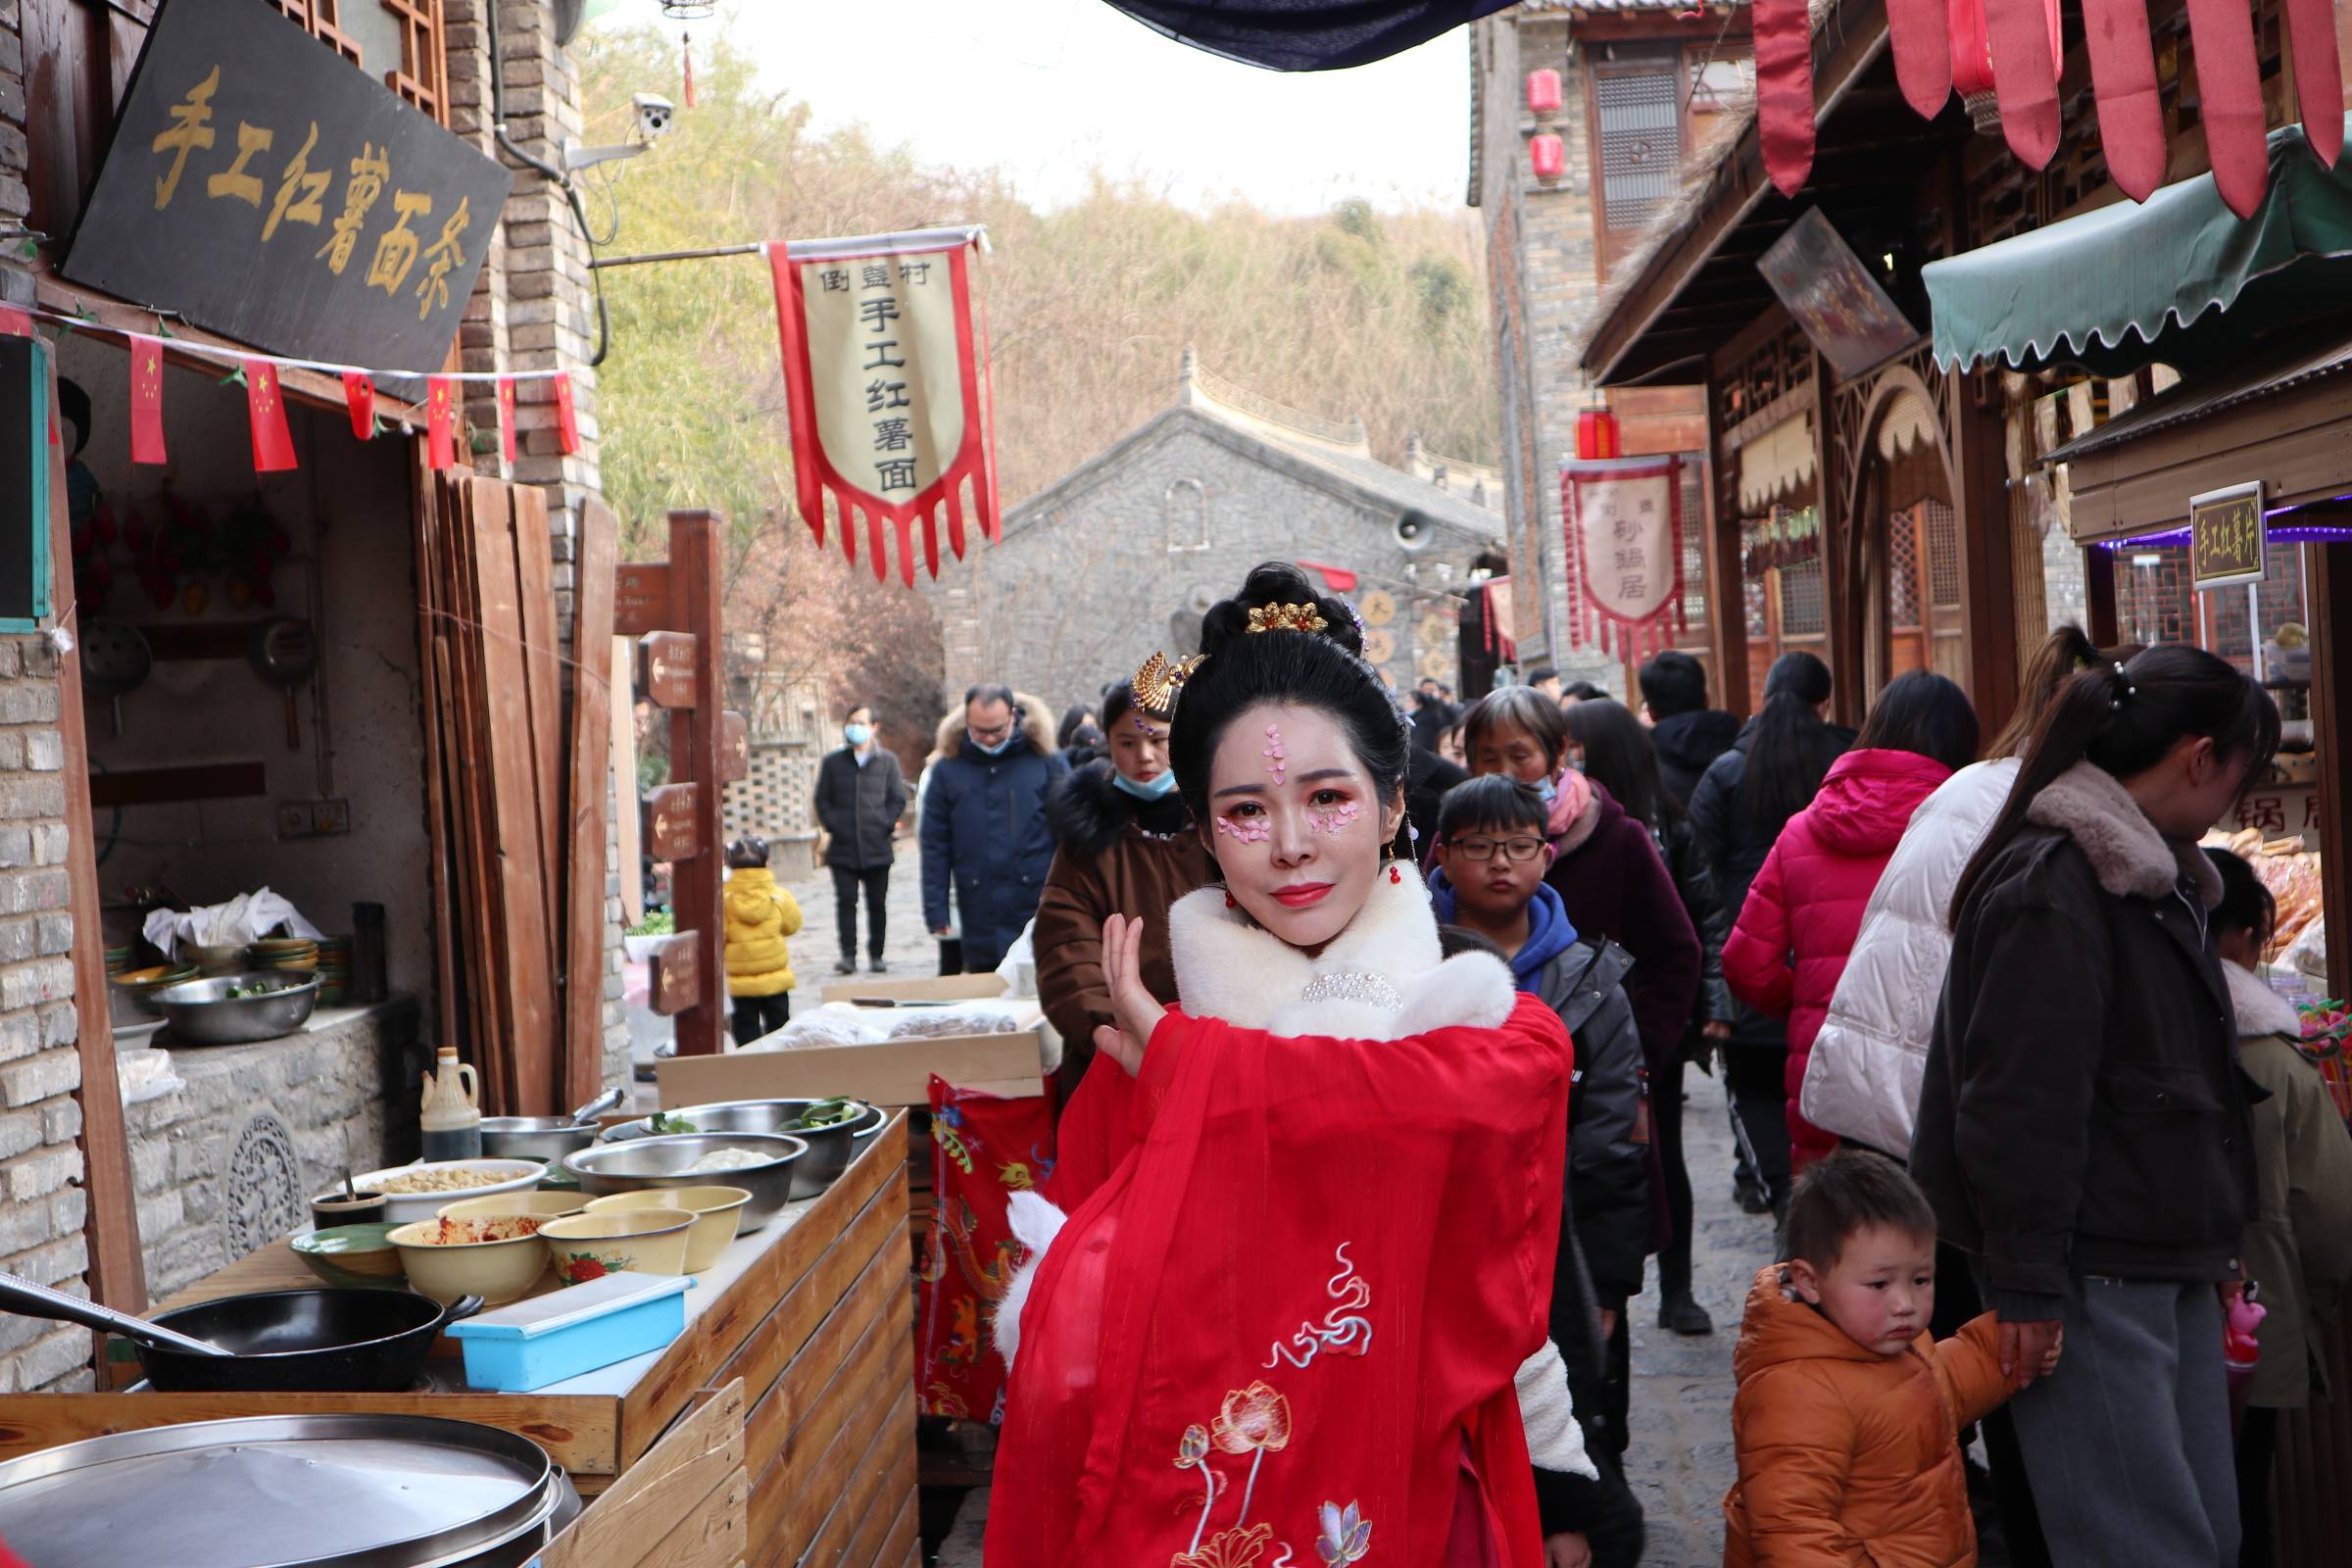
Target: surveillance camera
{"type": "Point", "coordinates": [653, 113]}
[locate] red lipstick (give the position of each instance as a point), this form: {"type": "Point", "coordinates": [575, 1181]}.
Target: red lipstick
{"type": "Point", "coordinates": [1304, 895]}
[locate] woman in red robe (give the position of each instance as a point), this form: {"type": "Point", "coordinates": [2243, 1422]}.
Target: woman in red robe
{"type": "Point", "coordinates": [1311, 1210]}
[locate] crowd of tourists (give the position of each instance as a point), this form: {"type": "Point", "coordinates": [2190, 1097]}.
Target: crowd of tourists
{"type": "Point", "coordinates": [1375, 1030]}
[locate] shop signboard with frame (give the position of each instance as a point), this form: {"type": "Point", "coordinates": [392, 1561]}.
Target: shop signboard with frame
{"type": "Point", "coordinates": [264, 188]}
{"type": "Point", "coordinates": [26, 420]}
{"type": "Point", "coordinates": [2227, 536]}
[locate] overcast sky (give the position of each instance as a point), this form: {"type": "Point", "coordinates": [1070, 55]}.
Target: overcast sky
{"type": "Point", "coordinates": [1046, 88]}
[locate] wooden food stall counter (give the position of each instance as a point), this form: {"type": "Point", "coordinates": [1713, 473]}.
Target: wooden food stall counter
{"type": "Point", "coordinates": [811, 1316]}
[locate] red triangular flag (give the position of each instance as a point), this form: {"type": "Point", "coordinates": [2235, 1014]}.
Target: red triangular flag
{"type": "Point", "coordinates": [15, 323]}
{"type": "Point", "coordinates": [1783, 44]}
{"type": "Point", "coordinates": [266, 409]}
{"type": "Point", "coordinates": [506, 415]}
{"type": "Point", "coordinates": [567, 420]}
{"type": "Point", "coordinates": [440, 448]}
{"type": "Point", "coordinates": [146, 400]}
{"type": "Point", "coordinates": [359, 396]}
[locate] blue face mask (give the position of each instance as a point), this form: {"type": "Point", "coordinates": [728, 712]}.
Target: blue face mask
{"type": "Point", "coordinates": [997, 750]}
{"type": "Point", "coordinates": [1156, 790]}
{"type": "Point", "coordinates": [857, 734]}
{"type": "Point", "coordinates": [1550, 789]}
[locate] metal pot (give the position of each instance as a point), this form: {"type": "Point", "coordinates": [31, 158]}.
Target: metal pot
{"type": "Point", "coordinates": [648, 1164]}
{"type": "Point", "coordinates": [290, 1491]}
{"type": "Point", "coordinates": [548, 1138]}
{"type": "Point", "coordinates": [829, 1148]}
{"type": "Point", "coordinates": [202, 1012]}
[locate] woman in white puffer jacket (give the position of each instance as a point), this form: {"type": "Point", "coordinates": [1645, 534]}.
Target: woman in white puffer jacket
{"type": "Point", "coordinates": [1862, 1082]}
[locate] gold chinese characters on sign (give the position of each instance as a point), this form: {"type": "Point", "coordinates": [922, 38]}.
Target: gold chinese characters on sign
{"type": "Point", "coordinates": [2226, 536]}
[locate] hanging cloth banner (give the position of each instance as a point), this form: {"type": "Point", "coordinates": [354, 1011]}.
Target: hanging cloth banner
{"type": "Point", "coordinates": [146, 400]}
{"type": "Point", "coordinates": [1625, 552]}
{"type": "Point", "coordinates": [883, 381]}
{"type": "Point", "coordinates": [440, 423]}
{"type": "Point", "coordinates": [265, 408]}
{"type": "Point", "coordinates": [568, 418]}
{"type": "Point", "coordinates": [505, 417]}
{"type": "Point", "coordinates": [358, 397]}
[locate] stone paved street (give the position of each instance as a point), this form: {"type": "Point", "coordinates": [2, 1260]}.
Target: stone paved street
{"type": "Point", "coordinates": [907, 948]}
{"type": "Point", "coordinates": [1680, 1464]}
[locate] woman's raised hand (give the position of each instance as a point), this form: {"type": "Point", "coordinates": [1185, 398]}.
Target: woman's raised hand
{"type": "Point", "coordinates": [1137, 1010]}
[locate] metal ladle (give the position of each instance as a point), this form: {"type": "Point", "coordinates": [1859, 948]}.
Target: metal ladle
{"type": "Point", "coordinates": [20, 1295]}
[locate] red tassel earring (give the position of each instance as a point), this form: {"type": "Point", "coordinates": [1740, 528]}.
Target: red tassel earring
{"type": "Point", "coordinates": [1394, 876]}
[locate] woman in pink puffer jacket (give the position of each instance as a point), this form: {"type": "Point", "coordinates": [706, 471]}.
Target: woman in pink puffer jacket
{"type": "Point", "coordinates": [1795, 934]}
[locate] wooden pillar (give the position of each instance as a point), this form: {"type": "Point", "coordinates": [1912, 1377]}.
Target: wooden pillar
{"type": "Point", "coordinates": [2331, 591]}
{"type": "Point", "coordinates": [1981, 503]}
{"type": "Point", "coordinates": [1838, 557]}
{"type": "Point", "coordinates": [695, 757]}
{"type": "Point", "coordinates": [1721, 566]}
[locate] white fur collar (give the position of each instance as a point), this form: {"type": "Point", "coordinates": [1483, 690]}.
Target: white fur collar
{"type": "Point", "coordinates": [1228, 968]}
{"type": "Point", "coordinates": [2126, 853]}
{"type": "Point", "coordinates": [2260, 1009]}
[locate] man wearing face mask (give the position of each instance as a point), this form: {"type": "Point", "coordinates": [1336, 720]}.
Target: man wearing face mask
{"type": "Point", "coordinates": [1125, 844]}
{"type": "Point", "coordinates": [983, 823]}
{"type": "Point", "coordinates": [860, 794]}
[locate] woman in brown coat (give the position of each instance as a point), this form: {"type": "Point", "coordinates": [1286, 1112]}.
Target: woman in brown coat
{"type": "Point", "coordinates": [1125, 844]}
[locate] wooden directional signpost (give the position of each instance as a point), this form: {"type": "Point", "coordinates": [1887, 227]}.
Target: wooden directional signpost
{"type": "Point", "coordinates": [673, 605]}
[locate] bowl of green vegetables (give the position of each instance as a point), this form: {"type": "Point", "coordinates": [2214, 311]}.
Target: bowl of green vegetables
{"type": "Point", "coordinates": [828, 1127]}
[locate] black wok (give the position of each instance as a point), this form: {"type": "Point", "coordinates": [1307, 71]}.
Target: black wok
{"type": "Point", "coordinates": [278, 1342]}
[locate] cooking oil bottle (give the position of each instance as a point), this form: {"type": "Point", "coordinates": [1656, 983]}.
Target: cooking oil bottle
{"type": "Point", "coordinates": [451, 1115]}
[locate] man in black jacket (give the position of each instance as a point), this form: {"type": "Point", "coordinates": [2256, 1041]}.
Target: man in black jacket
{"type": "Point", "coordinates": [860, 796]}
{"type": "Point", "coordinates": [1684, 730]}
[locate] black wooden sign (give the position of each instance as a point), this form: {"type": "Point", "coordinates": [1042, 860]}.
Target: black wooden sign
{"type": "Point", "coordinates": [25, 421]}
{"type": "Point", "coordinates": [268, 190]}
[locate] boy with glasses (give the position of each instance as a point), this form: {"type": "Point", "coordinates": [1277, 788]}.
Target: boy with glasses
{"type": "Point", "coordinates": [1490, 861]}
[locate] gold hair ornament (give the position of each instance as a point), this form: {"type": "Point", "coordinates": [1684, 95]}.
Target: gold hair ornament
{"type": "Point", "coordinates": [1156, 683]}
{"type": "Point", "coordinates": [1287, 618]}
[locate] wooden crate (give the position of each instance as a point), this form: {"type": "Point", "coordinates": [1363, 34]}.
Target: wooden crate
{"type": "Point", "coordinates": [684, 1506]}
{"type": "Point", "coordinates": [818, 1330]}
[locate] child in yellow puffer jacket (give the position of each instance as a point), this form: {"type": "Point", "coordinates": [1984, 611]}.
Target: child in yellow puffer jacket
{"type": "Point", "coordinates": [760, 916]}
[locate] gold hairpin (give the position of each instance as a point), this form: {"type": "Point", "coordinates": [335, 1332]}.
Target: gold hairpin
{"type": "Point", "coordinates": [1287, 618]}
{"type": "Point", "coordinates": [1156, 684]}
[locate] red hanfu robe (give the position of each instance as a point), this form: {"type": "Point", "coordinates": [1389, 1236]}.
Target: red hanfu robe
{"type": "Point", "coordinates": [1281, 1329]}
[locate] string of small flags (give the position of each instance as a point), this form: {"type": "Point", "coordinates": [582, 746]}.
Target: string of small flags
{"type": "Point", "coordinates": [265, 404]}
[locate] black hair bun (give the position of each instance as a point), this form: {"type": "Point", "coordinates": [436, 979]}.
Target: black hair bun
{"type": "Point", "coordinates": [1278, 582]}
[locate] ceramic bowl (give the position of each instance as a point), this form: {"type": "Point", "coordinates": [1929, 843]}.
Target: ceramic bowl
{"type": "Point", "coordinates": [331, 1210]}
{"type": "Point", "coordinates": [643, 1241]}
{"type": "Point", "coordinates": [350, 1255]}
{"type": "Point", "coordinates": [544, 1205]}
{"type": "Point", "coordinates": [498, 1272]}
{"type": "Point", "coordinates": [514, 1176]}
{"type": "Point", "coordinates": [717, 1214]}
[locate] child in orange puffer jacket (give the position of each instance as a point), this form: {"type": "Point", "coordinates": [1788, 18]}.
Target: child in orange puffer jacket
{"type": "Point", "coordinates": [1848, 1414]}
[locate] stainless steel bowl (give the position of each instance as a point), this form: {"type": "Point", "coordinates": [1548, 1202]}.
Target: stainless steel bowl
{"type": "Point", "coordinates": [829, 1148]}
{"type": "Point", "coordinates": [202, 1012]}
{"type": "Point", "coordinates": [651, 1164]}
{"type": "Point", "coordinates": [533, 1136]}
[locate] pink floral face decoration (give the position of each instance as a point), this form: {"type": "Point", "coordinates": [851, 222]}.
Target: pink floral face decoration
{"type": "Point", "coordinates": [1251, 830]}
{"type": "Point", "coordinates": [1333, 819]}
{"type": "Point", "coordinates": [1274, 753]}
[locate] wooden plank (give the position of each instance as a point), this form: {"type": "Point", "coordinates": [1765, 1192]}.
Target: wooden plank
{"type": "Point", "coordinates": [791, 1499]}
{"type": "Point", "coordinates": [891, 1521]}
{"type": "Point", "coordinates": [580, 1430]}
{"type": "Point", "coordinates": [854, 1510]}
{"type": "Point", "coordinates": [543, 682]}
{"type": "Point", "coordinates": [624, 785]}
{"type": "Point", "coordinates": [695, 1359]}
{"type": "Point", "coordinates": [526, 1006]}
{"type": "Point", "coordinates": [685, 1500]}
{"type": "Point", "coordinates": [196, 781]}
{"type": "Point", "coordinates": [906, 1534]}
{"type": "Point", "coordinates": [815, 1389]}
{"type": "Point", "coordinates": [117, 1269]}
{"type": "Point", "coordinates": [695, 588]}
{"type": "Point", "coordinates": [641, 599]}
{"type": "Point", "coordinates": [466, 784]}
{"type": "Point", "coordinates": [441, 871]}
{"type": "Point", "coordinates": [589, 783]}
{"type": "Point", "coordinates": [783, 1368]}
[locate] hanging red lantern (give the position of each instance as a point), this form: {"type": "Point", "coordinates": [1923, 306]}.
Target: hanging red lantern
{"type": "Point", "coordinates": [1972, 57]}
{"type": "Point", "coordinates": [1597, 435]}
{"type": "Point", "coordinates": [1544, 92]}
{"type": "Point", "coordinates": [1549, 154]}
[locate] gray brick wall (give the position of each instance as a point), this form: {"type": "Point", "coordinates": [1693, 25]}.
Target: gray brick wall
{"type": "Point", "coordinates": [1083, 591]}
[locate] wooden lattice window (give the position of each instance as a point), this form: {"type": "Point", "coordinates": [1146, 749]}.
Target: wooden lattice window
{"type": "Point", "coordinates": [1902, 572]}
{"type": "Point", "coordinates": [396, 40]}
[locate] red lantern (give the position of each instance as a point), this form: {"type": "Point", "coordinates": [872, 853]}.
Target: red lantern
{"type": "Point", "coordinates": [1544, 92]}
{"type": "Point", "coordinates": [1972, 46]}
{"type": "Point", "coordinates": [1597, 435]}
{"type": "Point", "coordinates": [1548, 156]}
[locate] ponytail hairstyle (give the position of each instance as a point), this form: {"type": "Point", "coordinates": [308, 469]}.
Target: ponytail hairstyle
{"type": "Point", "coordinates": [2063, 652]}
{"type": "Point", "coordinates": [1923, 713]}
{"type": "Point", "coordinates": [2123, 719]}
{"type": "Point", "coordinates": [1322, 669]}
{"type": "Point", "coordinates": [1792, 748]}
{"type": "Point", "coordinates": [1619, 758]}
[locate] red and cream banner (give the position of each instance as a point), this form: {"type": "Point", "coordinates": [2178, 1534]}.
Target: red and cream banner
{"type": "Point", "coordinates": [885, 378]}
{"type": "Point", "coordinates": [1625, 552]}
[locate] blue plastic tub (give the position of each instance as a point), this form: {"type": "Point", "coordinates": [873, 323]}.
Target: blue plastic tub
{"type": "Point", "coordinates": [564, 1332]}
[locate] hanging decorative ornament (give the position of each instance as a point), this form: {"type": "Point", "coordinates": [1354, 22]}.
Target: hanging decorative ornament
{"type": "Point", "coordinates": [686, 58]}
{"type": "Point", "coordinates": [146, 400]}
{"type": "Point", "coordinates": [1624, 519]}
